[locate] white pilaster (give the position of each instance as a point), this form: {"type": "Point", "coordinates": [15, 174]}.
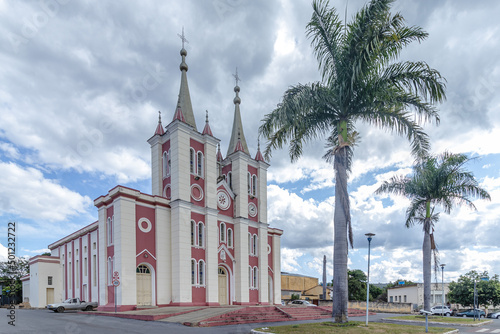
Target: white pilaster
{"type": "Point", "coordinates": [156, 165]}
{"type": "Point", "coordinates": [163, 265]}
{"type": "Point", "coordinates": [276, 249]}
{"type": "Point", "coordinates": [240, 183]}
{"type": "Point", "coordinates": [180, 241]}
{"type": "Point", "coordinates": [241, 257]}
{"type": "Point", "coordinates": [263, 264]}
{"type": "Point", "coordinates": [179, 148]}
{"type": "Point", "coordinates": [125, 251]}
{"type": "Point", "coordinates": [211, 257]}
{"type": "Point", "coordinates": [262, 191]}
{"type": "Point", "coordinates": [102, 257]}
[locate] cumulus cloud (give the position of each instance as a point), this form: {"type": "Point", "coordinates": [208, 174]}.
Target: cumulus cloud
{"type": "Point", "coordinates": [26, 193]}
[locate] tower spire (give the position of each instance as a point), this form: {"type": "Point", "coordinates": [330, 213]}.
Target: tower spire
{"type": "Point", "coordinates": [159, 128]}
{"type": "Point", "coordinates": [184, 109]}
{"type": "Point", "coordinates": [206, 129]}
{"type": "Point", "coordinates": [259, 156]}
{"type": "Point", "coordinates": [237, 131]}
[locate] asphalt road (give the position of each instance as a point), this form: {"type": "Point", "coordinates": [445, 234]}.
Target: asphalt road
{"type": "Point", "coordinates": [47, 322]}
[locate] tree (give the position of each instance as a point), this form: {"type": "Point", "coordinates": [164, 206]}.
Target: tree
{"type": "Point", "coordinates": [436, 180]}
{"type": "Point", "coordinates": [361, 82]}
{"type": "Point", "coordinates": [488, 292]}
{"type": "Point", "coordinates": [10, 276]}
{"type": "Point", "coordinates": [375, 292]}
{"type": "Point", "coordinates": [356, 283]}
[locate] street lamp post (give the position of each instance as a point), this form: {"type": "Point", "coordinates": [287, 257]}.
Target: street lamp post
{"type": "Point", "coordinates": [442, 285]}
{"type": "Point", "coordinates": [369, 236]}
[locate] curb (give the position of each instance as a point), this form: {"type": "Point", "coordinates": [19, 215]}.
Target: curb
{"type": "Point", "coordinates": [482, 323]}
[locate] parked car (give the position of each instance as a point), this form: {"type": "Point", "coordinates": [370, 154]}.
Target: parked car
{"type": "Point", "coordinates": [72, 304]}
{"type": "Point", "coordinates": [471, 312]}
{"type": "Point", "coordinates": [494, 315]}
{"type": "Point", "coordinates": [440, 309]}
{"type": "Point", "coordinates": [301, 302]}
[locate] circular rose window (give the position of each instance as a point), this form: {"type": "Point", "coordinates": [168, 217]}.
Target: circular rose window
{"type": "Point", "coordinates": [223, 201]}
{"type": "Point", "coordinates": [144, 225]}
{"type": "Point", "coordinates": [196, 192]}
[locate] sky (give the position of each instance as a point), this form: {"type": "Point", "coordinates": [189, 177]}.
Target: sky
{"type": "Point", "coordinates": [81, 84]}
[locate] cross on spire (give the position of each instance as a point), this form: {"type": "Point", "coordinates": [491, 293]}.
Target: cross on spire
{"type": "Point", "coordinates": [236, 77]}
{"type": "Point", "coordinates": [183, 38]}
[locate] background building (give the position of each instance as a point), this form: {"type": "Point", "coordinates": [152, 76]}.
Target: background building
{"type": "Point", "coordinates": [414, 294]}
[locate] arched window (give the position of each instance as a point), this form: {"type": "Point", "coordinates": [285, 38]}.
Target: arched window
{"type": "Point", "coordinates": [254, 244]}
{"type": "Point", "coordinates": [142, 269]}
{"type": "Point", "coordinates": [249, 181]}
{"type": "Point", "coordinates": [191, 160]}
{"type": "Point", "coordinates": [230, 179]}
{"type": "Point", "coordinates": [250, 248]}
{"type": "Point", "coordinates": [255, 277]}
{"type": "Point", "coordinates": [229, 238]}
{"type": "Point", "coordinates": [250, 275]}
{"type": "Point", "coordinates": [169, 162]}
{"type": "Point", "coordinates": [201, 232]}
{"type": "Point", "coordinates": [199, 170]}
{"type": "Point", "coordinates": [254, 185]}
{"type": "Point", "coordinates": [193, 272]}
{"type": "Point", "coordinates": [222, 232]}
{"type": "Point", "coordinates": [201, 272]}
{"type": "Point", "coordinates": [165, 164]}
{"type": "Point", "coordinates": [193, 232]}
{"type": "Point", "coordinates": [110, 230]}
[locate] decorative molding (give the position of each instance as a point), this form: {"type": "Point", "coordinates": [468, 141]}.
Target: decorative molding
{"type": "Point", "coordinates": [223, 200]}
{"type": "Point", "coordinates": [196, 198]}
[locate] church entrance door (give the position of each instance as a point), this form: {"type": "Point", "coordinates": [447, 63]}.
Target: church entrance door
{"type": "Point", "coordinates": [222, 286]}
{"type": "Point", "coordinates": [143, 275]}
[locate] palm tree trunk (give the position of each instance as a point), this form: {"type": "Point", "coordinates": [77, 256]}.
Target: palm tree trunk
{"type": "Point", "coordinates": [340, 221]}
{"type": "Point", "coordinates": [427, 259]}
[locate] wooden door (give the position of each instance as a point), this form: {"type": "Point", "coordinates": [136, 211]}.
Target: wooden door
{"type": "Point", "coordinates": [222, 286]}
{"type": "Point", "coordinates": [50, 296]}
{"type": "Point", "coordinates": [143, 286]}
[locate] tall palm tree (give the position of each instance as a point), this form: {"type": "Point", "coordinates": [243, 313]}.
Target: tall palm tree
{"type": "Point", "coordinates": [436, 180]}
{"type": "Point", "coordinates": [361, 81]}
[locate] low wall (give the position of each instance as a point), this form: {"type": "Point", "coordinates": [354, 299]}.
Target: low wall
{"type": "Point", "coordinates": [375, 306]}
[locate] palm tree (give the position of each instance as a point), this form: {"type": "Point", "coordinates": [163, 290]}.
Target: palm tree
{"type": "Point", "coordinates": [361, 81]}
{"type": "Point", "coordinates": [436, 180]}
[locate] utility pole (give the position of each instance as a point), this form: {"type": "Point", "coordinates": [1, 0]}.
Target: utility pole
{"type": "Point", "coordinates": [324, 277]}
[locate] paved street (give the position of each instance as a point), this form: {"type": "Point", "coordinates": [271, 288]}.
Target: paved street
{"type": "Point", "coordinates": [47, 322]}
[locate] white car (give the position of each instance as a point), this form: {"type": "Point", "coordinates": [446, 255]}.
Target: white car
{"type": "Point", "coordinates": [301, 302]}
{"type": "Point", "coordinates": [440, 309]}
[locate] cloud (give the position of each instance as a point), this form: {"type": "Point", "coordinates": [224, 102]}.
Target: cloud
{"type": "Point", "coordinates": [3, 253]}
{"type": "Point", "coordinates": [26, 193]}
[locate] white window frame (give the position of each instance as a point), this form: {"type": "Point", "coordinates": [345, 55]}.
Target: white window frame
{"type": "Point", "coordinates": [230, 238]}
{"type": "Point", "coordinates": [249, 183]}
{"type": "Point", "coordinates": [255, 278]}
{"type": "Point", "coordinates": [254, 185]}
{"type": "Point", "coordinates": [194, 272]}
{"type": "Point", "coordinates": [109, 225]}
{"type": "Point", "coordinates": [201, 273]}
{"type": "Point", "coordinates": [250, 248]}
{"type": "Point", "coordinates": [192, 160]}
{"type": "Point", "coordinates": [193, 233]}
{"type": "Point", "coordinates": [164, 164]}
{"type": "Point", "coordinates": [222, 233]}
{"type": "Point", "coordinates": [201, 234]}
{"type": "Point", "coordinates": [230, 179]}
{"type": "Point", "coordinates": [255, 246]}
{"type": "Point", "coordinates": [199, 164]}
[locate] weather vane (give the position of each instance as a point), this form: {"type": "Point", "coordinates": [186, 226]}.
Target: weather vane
{"type": "Point", "coordinates": [183, 38]}
{"type": "Point", "coordinates": [236, 77]}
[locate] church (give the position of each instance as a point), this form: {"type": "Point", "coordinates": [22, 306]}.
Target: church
{"type": "Point", "coordinates": [200, 239]}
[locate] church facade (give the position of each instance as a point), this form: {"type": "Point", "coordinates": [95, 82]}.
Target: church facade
{"type": "Point", "coordinates": [200, 238]}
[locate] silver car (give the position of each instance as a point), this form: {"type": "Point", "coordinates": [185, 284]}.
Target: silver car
{"type": "Point", "coordinates": [494, 315]}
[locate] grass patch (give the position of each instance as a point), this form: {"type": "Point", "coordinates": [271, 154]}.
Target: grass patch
{"type": "Point", "coordinates": [454, 320]}
{"type": "Point", "coordinates": [352, 327]}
